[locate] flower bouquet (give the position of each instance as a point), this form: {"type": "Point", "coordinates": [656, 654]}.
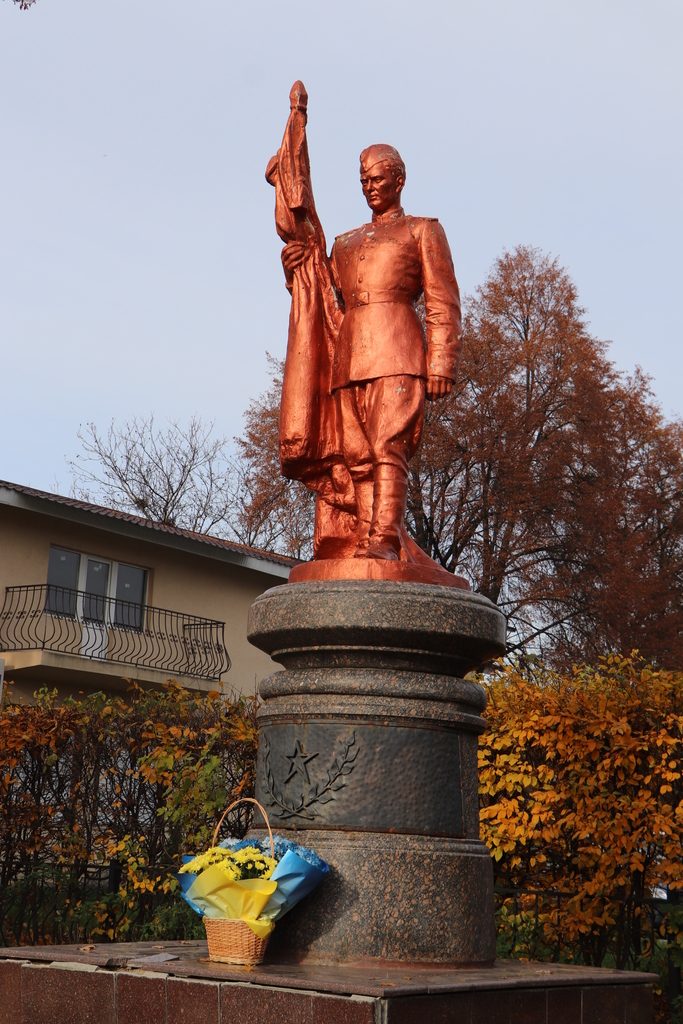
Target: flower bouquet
{"type": "Point", "coordinates": [242, 887]}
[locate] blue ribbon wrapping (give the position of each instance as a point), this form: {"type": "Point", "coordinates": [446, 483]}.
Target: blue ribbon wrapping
{"type": "Point", "coordinates": [295, 878]}
{"type": "Point", "coordinates": [185, 881]}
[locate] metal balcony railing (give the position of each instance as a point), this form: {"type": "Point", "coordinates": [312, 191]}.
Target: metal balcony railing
{"type": "Point", "coordinates": [50, 618]}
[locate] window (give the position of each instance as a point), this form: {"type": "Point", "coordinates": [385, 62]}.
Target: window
{"type": "Point", "coordinates": [62, 580]}
{"type": "Point", "coordinates": [130, 596]}
{"type": "Point", "coordinates": [95, 590]}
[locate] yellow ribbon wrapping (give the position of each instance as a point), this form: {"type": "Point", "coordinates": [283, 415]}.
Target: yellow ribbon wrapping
{"type": "Point", "coordinates": [219, 896]}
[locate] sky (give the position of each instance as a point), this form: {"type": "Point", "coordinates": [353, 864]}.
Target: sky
{"type": "Point", "coordinates": [139, 265]}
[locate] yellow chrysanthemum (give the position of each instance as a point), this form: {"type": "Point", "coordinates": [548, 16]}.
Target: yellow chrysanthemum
{"type": "Point", "coordinates": [214, 855]}
{"type": "Point", "coordinates": [248, 862]}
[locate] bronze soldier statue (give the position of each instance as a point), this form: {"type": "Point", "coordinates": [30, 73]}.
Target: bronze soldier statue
{"type": "Point", "coordinates": [359, 364]}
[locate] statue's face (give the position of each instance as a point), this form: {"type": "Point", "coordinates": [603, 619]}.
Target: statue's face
{"type": "Point", "coordinates": [381, 186]}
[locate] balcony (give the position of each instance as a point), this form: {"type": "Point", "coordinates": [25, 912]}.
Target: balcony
{"type": "Point", "coordinates": [109, 632]}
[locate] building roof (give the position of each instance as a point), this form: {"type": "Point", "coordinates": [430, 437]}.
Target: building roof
{"type": "Point", "coordinates": [113, 520]}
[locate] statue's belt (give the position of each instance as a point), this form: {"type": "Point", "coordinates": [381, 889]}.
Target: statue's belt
{"type": "Point", "coordinates": [378, 295]}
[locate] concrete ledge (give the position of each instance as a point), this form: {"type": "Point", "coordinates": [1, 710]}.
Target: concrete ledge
{"type": "Point", "coordinates": [43, 667]}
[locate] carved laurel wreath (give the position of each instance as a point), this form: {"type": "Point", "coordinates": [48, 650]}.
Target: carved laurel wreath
{"type": "Point", "coordinates": [320, 792]}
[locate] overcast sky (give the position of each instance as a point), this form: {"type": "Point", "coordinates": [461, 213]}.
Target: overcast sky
{"type": "Point", "coordinates": [139, 266]}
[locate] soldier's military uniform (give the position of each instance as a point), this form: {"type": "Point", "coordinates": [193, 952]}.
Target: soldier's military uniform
{"type": "Point", "coordinates": [382, 357]}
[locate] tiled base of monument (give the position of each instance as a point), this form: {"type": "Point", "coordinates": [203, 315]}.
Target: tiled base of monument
{"type": "Point", "coordinates": [174, 983]}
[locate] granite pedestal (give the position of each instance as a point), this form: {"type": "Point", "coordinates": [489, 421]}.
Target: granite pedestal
{"type": "Point", "coordinates": [368, 754]}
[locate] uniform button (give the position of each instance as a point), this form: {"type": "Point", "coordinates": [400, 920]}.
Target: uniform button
{"type": "Point", "coordinates": [360, 280]}
{"type": "Point", "coordinates": [362, 257]}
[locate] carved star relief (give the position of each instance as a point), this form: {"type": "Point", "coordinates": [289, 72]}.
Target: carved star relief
{"type": "Point", "coordinates": [299, 761]}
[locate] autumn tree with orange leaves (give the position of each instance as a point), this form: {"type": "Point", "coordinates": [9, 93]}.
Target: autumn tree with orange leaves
{"type": "Point", "coordinates": [581, 789]}
{"type": "Point", "coordinates": [551, 479]}
{"type": "Point", "coordinates": [547, 478]}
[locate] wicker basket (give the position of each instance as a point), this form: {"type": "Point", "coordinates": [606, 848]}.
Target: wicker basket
{"type": "Point", "coordinates": [233, 942]}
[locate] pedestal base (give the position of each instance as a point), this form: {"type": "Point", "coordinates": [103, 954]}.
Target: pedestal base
{"type": "Point", "coordinates": [384, 900]}
{"type": "Point", "coordinates": [376, 569]}
{"type": "Point", "coordinates": [173, 983]}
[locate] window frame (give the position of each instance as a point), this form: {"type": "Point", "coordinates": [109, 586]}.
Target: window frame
{"type": "Point", "coordinates": [111, 599]}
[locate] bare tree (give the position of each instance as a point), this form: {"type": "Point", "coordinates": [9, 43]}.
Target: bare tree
{"type": "Point", "coordinates": [177, 475]}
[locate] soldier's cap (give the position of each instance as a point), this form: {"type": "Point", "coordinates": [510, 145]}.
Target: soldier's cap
{"type": "Point", "coordinates": [382, 154]}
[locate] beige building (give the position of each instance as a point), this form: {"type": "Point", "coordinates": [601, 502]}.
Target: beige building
{"type": "Point", "coordinates": [91, 598]}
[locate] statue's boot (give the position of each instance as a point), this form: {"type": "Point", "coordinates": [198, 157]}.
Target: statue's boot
{"type": "Point", "coordinates": [388, 507]}
{"type": "Point", "coordinates": [363, 490]}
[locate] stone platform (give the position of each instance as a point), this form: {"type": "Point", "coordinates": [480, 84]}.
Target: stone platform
{"type": "Point", "coordinates": [174, 983]}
